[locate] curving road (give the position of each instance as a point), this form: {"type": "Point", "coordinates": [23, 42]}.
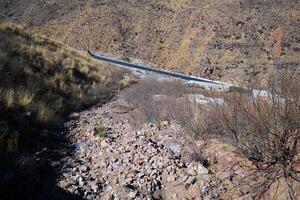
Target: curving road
{"type": "Point", "coordinates": [202, 82]}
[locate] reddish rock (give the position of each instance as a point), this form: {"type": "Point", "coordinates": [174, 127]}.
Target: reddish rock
{"type": "Point", "coordinates": [226, 158]}
{"type": "Point", "coordinates": [166, 133]}
{"type": "Point", "coordinates": [296, 166]}
{"type": "Point", "coordinates": [200, 143]}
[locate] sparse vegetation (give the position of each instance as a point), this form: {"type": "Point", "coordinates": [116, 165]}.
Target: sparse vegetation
{"type": "Point", "coordinates": [265, 130]}
{"type": "Point", "coordinates": [228, 40]}
{"type": "Point", "coordinates": [238, 41]}
{"type": "Point", "coordinates": [158, 101]}
{"type": "Point", "coordinates": [100, 131]}
{"type": "Point", "coordinates": [155, 102]}
{"type": "Point", "coordinates": [42, 80]}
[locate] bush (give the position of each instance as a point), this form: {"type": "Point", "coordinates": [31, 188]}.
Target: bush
{"type": "Point", "coordinates": [100, 131]}
{"type": "Point", "coordinates": [159, 101]}
{"type": "Point", "coordinates": [266, 130]}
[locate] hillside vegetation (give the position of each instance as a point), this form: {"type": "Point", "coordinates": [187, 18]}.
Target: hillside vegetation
{"type": "Point", "coordinates": [231, 40]}
{"type": "Point", "coordinates": [40, 82]}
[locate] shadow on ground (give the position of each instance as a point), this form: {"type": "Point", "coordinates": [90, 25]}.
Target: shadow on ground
{"type": "Point", "coordinates": [36, 97]}
{"type": "Point", "coordinates": [33, 175]}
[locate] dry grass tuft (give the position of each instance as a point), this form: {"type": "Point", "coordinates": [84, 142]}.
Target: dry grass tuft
{"type": "Point", "coordinates": [42, 80]}
{"type": "Point", "coordinates": [9, 98]}
{"type": "Point", "coordinates": [24, 98]}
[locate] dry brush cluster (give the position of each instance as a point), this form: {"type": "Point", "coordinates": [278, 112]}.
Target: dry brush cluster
{"type": "Point", "coordinates": [266, 130]}
{"type": "Point", "coordinates": [263, 129]}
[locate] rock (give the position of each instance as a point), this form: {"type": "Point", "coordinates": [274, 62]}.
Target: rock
{"type": "Point", "coordinates": [192, 180]}
{"type": "Point", "coordinates": [201, 169]}
{"type": "Point", "coordinates": [165, 133]}
{"type": "Point", "coordinates": [200, 143]}
{"type": "Point", "coordinates": [171, 178]}
{"type": "Point", "coordinates": [95, 188]}
{"type": "Point", "coordinates": [192, 171]}
{"type": "Point", "coordinates": [104, 144]}
{"type": "Point", "coordinates": [198, 167]}
{"type": "Point", "coordinates": [128, 180]}
{"type": "Point", "coordinates": [225, 158]}
{"type": "Point", "coordinates": [80, 181]}
{"type": "Point", "coordinates": [174, 145]}
{"type": "Point", "coordinates": [65, 184]}
{"type": "Point", "coordinates": [296, 166]}
{"type": "Point", "coordinates": [164, 124]}
{"type": "Point", "coordinates": [183, 177]}
{"type": "Point", "coordinates": [186, 186]}
{"type": "Point", "coordinates": [84, 168]}
{"type": "Point", "coordinates": [228, 184]}
{"type": "Point", "coordinates": [132, 194]}
{"type": "Point", "coordinates": [71, 189]}
{"type": "Point", "coordinates": [180, 164]}
{"type": "Point", "coordinates": [55, 163]}
{"type": "Point", "coordinates": [223, 175]}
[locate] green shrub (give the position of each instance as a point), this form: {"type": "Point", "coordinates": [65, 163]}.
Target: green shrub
{"type": "Point", "coordinates": [100, 131]}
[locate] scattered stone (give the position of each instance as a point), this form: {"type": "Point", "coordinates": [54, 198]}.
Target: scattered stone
{"type": "Point", "coordinates": [224, 158]}
{"type": "Point", "coordinates": [198, 167]}
{"type": "Point", "coordinates": [192, 171]}
{"type": "Point", "coordinates": [143, 164]}
{"type": "Point", "coordinates": [80, 181]}
{"type": "Point", "coordinates": [104, 144]}
{"type": "Point", "coordinates": [164, 124]}
{"type": "Point", "coordinates": [132, 194]}
{"type": "Point", "coordinates": [95, 188]}
{"type": "Point", "coordinates": [171, 178]}
{"type": "Point", "coordinates": [192, 180]}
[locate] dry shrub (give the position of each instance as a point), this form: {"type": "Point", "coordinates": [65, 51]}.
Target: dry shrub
{"type": "Point", "coordinates": [9, 98]}
{"type": "Point", "coordinates": [266, 130]}
{"type": "Point", "coordinates": [157, 101]}
{"type": "Point", "coordinates": [25, 98]}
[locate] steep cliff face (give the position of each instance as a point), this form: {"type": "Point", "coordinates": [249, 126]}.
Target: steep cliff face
{"type": "Point", "coordinates": [230, 40]}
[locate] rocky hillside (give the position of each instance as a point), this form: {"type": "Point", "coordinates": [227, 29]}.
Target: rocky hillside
{"type": "Point", "coordinates": [114, 159]}
{"type": "Point", "coordinates": [41, 82]}
{"type": "Point", "coordinates": [38, 77]}
{"type": "Point", "coordinates": [231, 40]}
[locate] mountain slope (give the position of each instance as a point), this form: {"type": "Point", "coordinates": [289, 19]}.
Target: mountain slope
{"type": "Point", "coordinates": [41, 81]}
{"type": "Point", "coordinates": [230, 40]}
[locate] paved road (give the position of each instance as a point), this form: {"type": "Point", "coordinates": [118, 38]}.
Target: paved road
{"type": "Point", "coordinates": [203, 82]}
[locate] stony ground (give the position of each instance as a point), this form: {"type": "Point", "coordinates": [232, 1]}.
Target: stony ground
{"type": "Point", "coordinates": [131, 163]}
{"type": "Point", "coordinates": [149, 162]}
